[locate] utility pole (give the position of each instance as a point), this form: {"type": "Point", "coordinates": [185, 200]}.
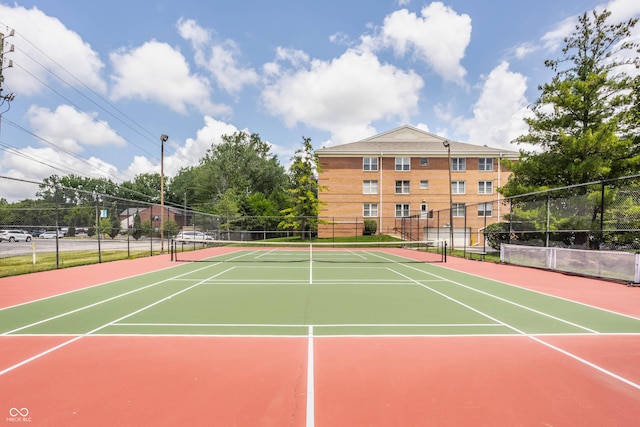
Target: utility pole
{"type": "Point", "coordinates": [163, 139]}
{"type": "Point", "coordinates": [10, 97]}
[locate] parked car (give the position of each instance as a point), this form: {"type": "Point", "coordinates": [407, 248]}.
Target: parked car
{"type": "Point", "coordinates": [15, 236]}
{"type": "Point", "coordinates": [51, 235]}
{"type": "Point", "coordinates": [36, 233]}
{"type": "Point", "coordinates": [184, 236]}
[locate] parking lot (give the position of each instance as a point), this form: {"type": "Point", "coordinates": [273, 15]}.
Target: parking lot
{"type": "Point", "coordinates": [8, 249]}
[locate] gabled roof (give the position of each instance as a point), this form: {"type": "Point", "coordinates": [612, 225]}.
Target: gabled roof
{"type": "Point", "coordinates": [407, 140]}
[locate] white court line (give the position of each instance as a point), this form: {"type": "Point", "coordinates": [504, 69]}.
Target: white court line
{"type": "Point", "coordinates": [310, 381]}
{"type": "Point", "coordinates": [532, 337]}
{"type": "Point", "coordinates": [324, 325]}
{"type": "Point", "coordinates": [64, 344]}
{"type": "Point", "coordinates": [98, 303]}
{"type": "Point", "coordinates": [524, 307]}
{"type": "Point", "coordinates": [88, 287]}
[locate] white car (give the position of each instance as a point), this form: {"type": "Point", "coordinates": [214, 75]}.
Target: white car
{"type": "Point", "coordinates": [15, 236]}
{"type": "Point", "coordinates": [51, 235]}
{"type": "Point", "coordinates": [185, 236]}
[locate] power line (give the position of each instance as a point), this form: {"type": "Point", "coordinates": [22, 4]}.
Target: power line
{"type": "Point", "coordinates": [127, 121]}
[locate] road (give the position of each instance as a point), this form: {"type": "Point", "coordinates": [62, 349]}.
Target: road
{"type": "Point", "coordinates": [8, 249]}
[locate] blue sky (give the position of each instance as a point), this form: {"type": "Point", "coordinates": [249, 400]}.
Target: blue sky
{"type": "Point", "coordinates": [97, 83]}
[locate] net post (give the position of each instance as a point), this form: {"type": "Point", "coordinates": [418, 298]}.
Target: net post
{"type": "Point", "coordinates": [444, 252]}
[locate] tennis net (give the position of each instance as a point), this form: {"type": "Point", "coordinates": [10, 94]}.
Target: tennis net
{"type": "Point", "coordinates": [335, 252]}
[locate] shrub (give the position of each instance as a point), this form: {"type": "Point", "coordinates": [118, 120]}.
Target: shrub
{"type": "Point", "coordinates": [370, 227]}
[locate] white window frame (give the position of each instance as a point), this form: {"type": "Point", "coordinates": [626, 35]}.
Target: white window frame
{"type": "Point", "coordinates": [403, 164]}
{"type": "Point", "coordinates": [369, 210]}
{"type": "Point", "coordinates": [424, 184]}
{"type": "Point", "coordinates": [458, 164]}
{"type": "Point", "coordinates": [458, 210]}
{"type": "Point", "coordinates": [403, 210]}
{"type": "Point", "coordinates": [485, 164]}
{"type": "Point", "coordinates": [483, 212]}
{"type": "Point", "coordinates": [370, 164]}
{"type": "Point", "coordinates": [370, 186]}
{"type": "Point", "coordinates": [485, 187]}
{"type": "Point", "coordinates": [424, 161]}
{"type": "Point", "coordinates": [458, 187]}
{"type": "Point", "coordinates": [403, 186]}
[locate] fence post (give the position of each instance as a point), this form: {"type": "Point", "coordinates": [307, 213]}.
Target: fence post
{"type": "Point", "coordinates": [55, 198]}
{"type": "Point", "coordinates": [601, 237]}
{"type": "Point", "coordinates": [548, 223]}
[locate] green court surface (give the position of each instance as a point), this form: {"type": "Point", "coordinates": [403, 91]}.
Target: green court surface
{"type": "Point", "coordinates": [282, 293]}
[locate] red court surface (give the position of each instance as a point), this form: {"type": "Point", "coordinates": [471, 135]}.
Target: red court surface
{"type": "Point", "coordinates": [554, 380]}
{"type": "Point", "coordinates": [30, 287]}
{"type": "Point", "coordinates": [463, 381]}
{"type": "Point", "coordinates": [366, 381]}
{"type": "Point", "coordinates": [158, 381]}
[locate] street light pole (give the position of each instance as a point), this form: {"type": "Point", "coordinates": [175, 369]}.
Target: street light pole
{"type": "Point", "coordinates": [447, 145]}
{"type": "Point", "coordinates": [163, 139]}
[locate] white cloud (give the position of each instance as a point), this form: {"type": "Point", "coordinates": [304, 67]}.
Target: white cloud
{"type": "Point", "coordinates": [439, 37]}
{"type": "Point", "coordinates": [220, 59]}
{"type": "Point", "coordinates": [523, 50]}
{"type": "Point", "coordinates": [156, 72]}
{"type": "Point", "coordinates": [190, 30]}
{"type": "Point", "coordinates": [185, 155]}
{"type": "Point", "coordinates": [499, 112]}
{"type": "Point", "coordinates": [553, 39]}
{"type": "Point", "coordinates": [622, 10]}
{"type": "Point", "coordinates": [344, 95]}
{"type": "Point", "coordinates": [55, 44]}
{"type": "Point", "coordinates": [36, 164]}
{"type": "Point", "coordinates": [70, 129]}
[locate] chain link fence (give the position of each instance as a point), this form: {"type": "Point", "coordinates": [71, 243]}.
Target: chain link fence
{"type": "Point", "coordinates": [602, 215]}
{"type": "Point", "coordinates": [595, 216]}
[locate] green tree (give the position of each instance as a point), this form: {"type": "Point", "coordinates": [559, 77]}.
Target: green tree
{"type": "Point", "coordinates": [144, 187]}
{"type": "Point", "coordinates": [147, 227]}
{"type": "Point", "coordinates": [171, 228]}
{"type": "Point", "coordinates": [583, 122]}
{"type": "Point", "coordinates": [242, 163]}
{"type": "Point", "coordinates": [105, 226]}
{"type": "Point", "coordinates": [114, 220]}
{"type": "Point", "coordinates": [303, 191]}
{"type": "Point", "coordinates": [137, 226]}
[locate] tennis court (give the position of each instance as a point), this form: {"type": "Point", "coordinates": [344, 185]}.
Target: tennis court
{"type": "Point", "coordinates": [317, 336]}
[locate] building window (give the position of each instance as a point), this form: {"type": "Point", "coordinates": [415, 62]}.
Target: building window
{"type": "Point", "coordinates": [424, 184]}
{"type": "Point", "coordinates": [485, 164]}
{"type": "Point", "coordinates": [403, 163]}
{"type": "Point", "coordinates": [458, 210]}
{"type": "Point", "coordinates": [402, 187]}
{"type": "Point", "coordinates": [369, 186]}
{"type": "Point", "coordinates": [485, 187]}
{"type": "Point", "coordinates": [370, 210]}
{"type": "Point", "coordinates": [402, 210]}
{"type": "Point", "coordinates": [485, 209]}
{"type": "Point", "coordinates": [424, 161]}
{"type": "Point", "coordinates": [458, 164]}
{"type": "Point", "coordinates": [458, 187]}
{"type": "Point", "coordinates": [370, 164]}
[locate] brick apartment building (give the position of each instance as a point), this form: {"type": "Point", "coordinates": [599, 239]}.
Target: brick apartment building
{"type": "Point", "coordinates": [151, 213]}
{"type": "Point", "coordinates": [402, 175]}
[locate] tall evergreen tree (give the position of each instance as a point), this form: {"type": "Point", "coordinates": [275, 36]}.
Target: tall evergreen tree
{"type": "Point", "coordinates": [583, 123]}
{"type": "Point", "coordinates": [303, 191]}
{"type": "Point", "coordinates": [137, 226]}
